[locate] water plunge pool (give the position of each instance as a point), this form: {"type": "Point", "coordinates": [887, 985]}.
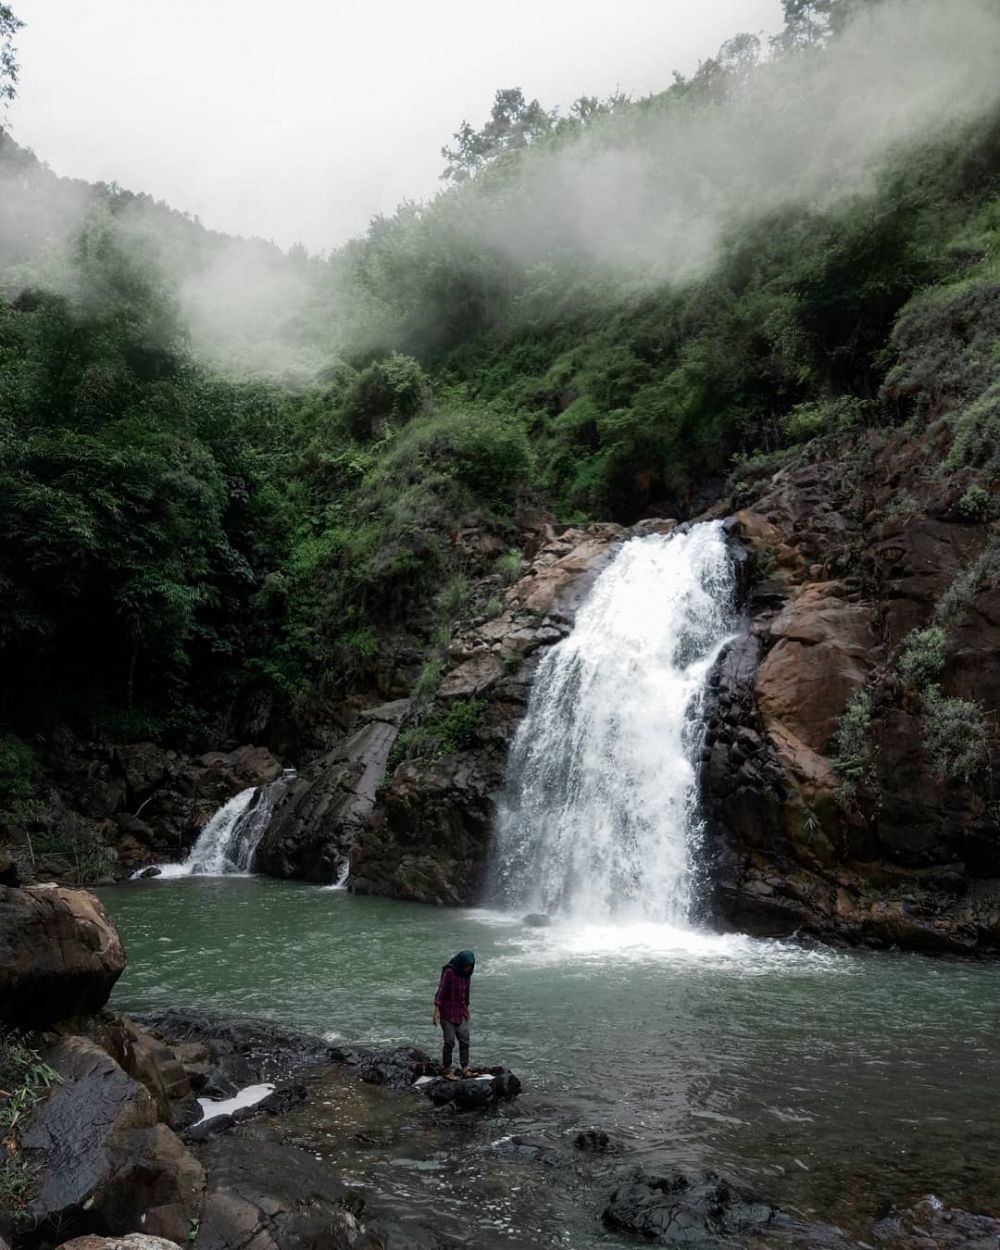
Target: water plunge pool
{"type": "Point", "coordinates": [832, 1082]}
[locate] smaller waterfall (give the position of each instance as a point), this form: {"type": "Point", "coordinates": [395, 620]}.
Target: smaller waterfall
{"type": "Point", "coordinates": [228, 843]}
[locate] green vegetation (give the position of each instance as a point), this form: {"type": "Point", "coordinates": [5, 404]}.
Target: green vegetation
{"type": "Point", "coordinates": [443, 731]}
{"type": "Point", "coordinates": [852, 745]}
{"type": "Point", "coordinates": [955, 736]}
{"type": "Point", "coordinates": [922, 656]}
{"type": "Point", "coordinates": [980, 573]}
{"type": "Point", "coordinates": [180, 544]}
{"type": "Point", "coordinates": [24, 1078]}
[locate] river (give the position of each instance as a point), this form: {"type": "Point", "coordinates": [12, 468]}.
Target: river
{"type": "Point", "coordinates": [834, 1082]}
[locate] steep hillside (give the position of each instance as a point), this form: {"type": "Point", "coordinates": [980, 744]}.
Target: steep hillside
{"type": "Point", "coordinates": [247, 495]}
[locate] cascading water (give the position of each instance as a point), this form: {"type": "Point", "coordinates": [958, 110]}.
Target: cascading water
{"type": "Point", "coordinates": [228, 842]}
{"type": "Point", "coordinates": [600, 814]}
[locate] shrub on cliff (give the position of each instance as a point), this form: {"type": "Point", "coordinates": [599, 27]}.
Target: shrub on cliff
{"type": "Point", "coordinates": [956, 737]}
{"type": "Point", "coordinates": [922, 657]}
{"type": "Point", "coordinates": [853, 745]}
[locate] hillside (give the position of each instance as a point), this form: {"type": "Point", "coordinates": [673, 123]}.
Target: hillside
{"type": "Point", "coordinates": [247, 494]}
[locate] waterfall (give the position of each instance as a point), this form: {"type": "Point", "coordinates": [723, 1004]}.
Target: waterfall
{"type": "Point", "coordinates": [228, 843]}
{"type": "Point", "coordinates": [599, 816]}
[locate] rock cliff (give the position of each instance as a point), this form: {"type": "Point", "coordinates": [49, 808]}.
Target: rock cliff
{"type": "Point", "coordinates": [848, 765]}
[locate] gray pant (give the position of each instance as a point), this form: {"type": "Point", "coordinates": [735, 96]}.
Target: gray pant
{"type": "Point", "coordinates": [451, 1031]}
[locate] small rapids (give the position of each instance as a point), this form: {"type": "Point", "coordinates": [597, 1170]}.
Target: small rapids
{"type": "Point", "coordinates": [599, 816]}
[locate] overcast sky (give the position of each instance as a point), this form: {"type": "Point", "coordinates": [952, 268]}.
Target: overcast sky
{"type": "Point", "coordinates": [300, 121]}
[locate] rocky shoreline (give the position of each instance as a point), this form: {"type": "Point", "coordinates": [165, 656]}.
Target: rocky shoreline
{"type": "Point", "coordinates": [119, 1155]}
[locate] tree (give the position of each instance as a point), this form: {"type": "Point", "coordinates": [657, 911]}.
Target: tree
{"type": "Point", "coordinates": [809, 22]}
{"type": "Point", "coordinates": [514, 123]}
{"type": "Point", "coordinates": [9, 26]}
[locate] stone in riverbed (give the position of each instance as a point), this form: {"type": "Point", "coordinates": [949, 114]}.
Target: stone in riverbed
{"type": "Point", "coordinates": [266, 1195]}
{"type": "Point", "coordinates": [931, 1224]}
{"type": "Point", "coordinates": [397, 1069]}
{"type": "Point", "coordinates": [475, 1092]}
{"type": "Point", "coordinates": [60, 955]}
{"type": "Point", "coordinates": [672, 1209]}
{"type": "Point", "coordinates": [537, 920]}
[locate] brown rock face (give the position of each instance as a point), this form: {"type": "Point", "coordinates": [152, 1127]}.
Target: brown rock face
{"type": "Point", "coordinates": [428, 835]}
{"type": "Point", "coordinates": [820, 657]}
{"type": "Point", "coordinates": [905, 855]}
{"type": "Point", "coordinates": [60, 955]}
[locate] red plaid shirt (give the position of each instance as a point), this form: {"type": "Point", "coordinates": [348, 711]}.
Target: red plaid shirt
{"type": "Point", "coordinates": [452, 997]}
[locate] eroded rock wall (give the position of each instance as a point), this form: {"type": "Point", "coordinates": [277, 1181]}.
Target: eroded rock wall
{"type": "Point", "coordinates": [857, 544]}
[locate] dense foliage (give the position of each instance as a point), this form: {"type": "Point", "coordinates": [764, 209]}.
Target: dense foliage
{"type": "Point", "coordinates": [178, 541]}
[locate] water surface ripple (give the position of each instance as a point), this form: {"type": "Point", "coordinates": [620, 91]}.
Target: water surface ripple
{"type": "Point", "coordinates": [834, 1082]}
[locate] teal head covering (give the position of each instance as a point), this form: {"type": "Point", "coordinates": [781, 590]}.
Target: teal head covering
{"type": "Point", "coordinates": [463, 963]}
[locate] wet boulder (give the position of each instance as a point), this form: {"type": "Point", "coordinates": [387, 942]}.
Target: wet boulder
{"type": "Point", "coordinates": [398, 1069]}
{"type": "Point", "coordinates": [60, 955]}
{"type": "Point", "coordinates": [931, 1224]}
{"type": "Point", "coordinates": [274, 1196]}
{"type": "Point", "coordinates": [673, 1209]}
{"type": "Point", "coordinates": [473, 1093]}
{"type": "Point", "coordinates": [324, 808]}
{"type": "Point", "coordinates": [224, 1053]}
{"type": "Point", "coordinates": [105, 1164]}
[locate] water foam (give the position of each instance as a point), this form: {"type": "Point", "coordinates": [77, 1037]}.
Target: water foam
{"type": "Point", "coordinates": [599, 815]}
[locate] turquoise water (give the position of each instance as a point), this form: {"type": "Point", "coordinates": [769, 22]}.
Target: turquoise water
{"type": "Point", "coordinates": [834, 1082]}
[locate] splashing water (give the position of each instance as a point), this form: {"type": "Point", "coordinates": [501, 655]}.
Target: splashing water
{"type": "Point", "coordinates": [600, 816]}
{"type": "Point", "coordinates": [228, 843]}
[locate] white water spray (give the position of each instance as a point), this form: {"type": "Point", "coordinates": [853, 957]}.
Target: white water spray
{"type": "Point", "coordinates": [600, 814]}
{"type": "Point", "coordinates": [228, 842]}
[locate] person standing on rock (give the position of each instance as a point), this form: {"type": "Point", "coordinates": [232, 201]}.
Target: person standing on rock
{"type": "Point", "coordinates": [451, 1009]}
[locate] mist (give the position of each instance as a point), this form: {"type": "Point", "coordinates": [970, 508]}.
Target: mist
{"type": "Point", "coordinates": [653, 195]}
{"type": "Point", "coordinates": [647, 197]}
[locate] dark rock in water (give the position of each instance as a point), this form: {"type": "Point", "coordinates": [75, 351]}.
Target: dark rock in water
{"type": "Point", "coordinates": [397, 1069]}
{"type": "Point", "coordinates": [472, 1095]}
{"type": "Point", "coordinates": [475, 1092]}
{"type": "Point", "coordinates": [930, 1224]}
{"type": "Point", "coordinates": [152, 871]}
{"type": "Point", "coordinates": [594, 1140]}
{"type": "Point", "coordinates": [278, 1102]}
{"type": "Point", "coordinates": [105, 1164]}
{"type": "Point", "coordinates": [273, 1196]}
{"type": "Point", "coordinates": [505, 1083]}
{"type": "Point", "coordinates": [235, 1051]}
{"type": "Point", "coordinates": [675, 1210]}
{"type": "Point", "coordinates": [60, 955]}
{"type": "Point", "coordinates": [260, 1193]}
{"type": "Point", "coordinates": [211, 1127]}
{"type": "Point", "coordinates": [282, 1099]}
{"type": "Point", "coordinates": [538, 920]}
